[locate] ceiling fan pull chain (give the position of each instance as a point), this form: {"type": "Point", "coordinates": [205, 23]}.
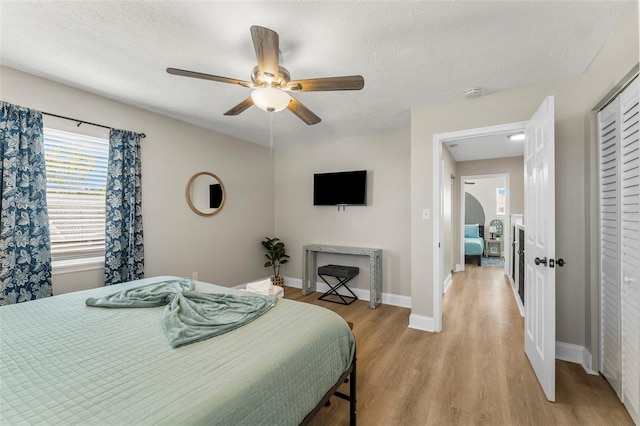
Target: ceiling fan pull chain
{"type": "Point", "coordinates": [270, 133]}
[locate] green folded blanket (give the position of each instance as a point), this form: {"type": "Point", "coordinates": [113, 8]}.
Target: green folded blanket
{"type": "Point", "coordinates": [190, 316]}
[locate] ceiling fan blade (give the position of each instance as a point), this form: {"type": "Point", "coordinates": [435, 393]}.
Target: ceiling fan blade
{"type": "Point", "coordinates": [185, 73]}
{"type": "Point", "coordinates": [349, 82]}
{"type": "Point", "coordinates": [240, 107]}
{"type": "Point", "coordinates": [303, 112]}
{"type": "Point", "coordinates": [266, 44]}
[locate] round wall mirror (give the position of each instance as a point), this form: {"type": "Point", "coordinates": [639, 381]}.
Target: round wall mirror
{"type": "Point", "coordinates": [205, 194]}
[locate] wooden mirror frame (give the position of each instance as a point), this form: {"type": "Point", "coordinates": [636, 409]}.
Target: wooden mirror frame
{"type": "Point", "coordinates": [187, 193]}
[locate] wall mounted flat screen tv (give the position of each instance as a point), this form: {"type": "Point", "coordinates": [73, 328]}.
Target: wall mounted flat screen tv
{"type": "Point", "coordinates": [341, 188]}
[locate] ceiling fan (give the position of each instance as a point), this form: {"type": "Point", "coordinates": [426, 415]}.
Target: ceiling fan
{"type": "Point", "coordinates": [271, 82]}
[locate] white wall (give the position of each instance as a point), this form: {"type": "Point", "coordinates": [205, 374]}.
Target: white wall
{"type": "Point", "coordinates": [224, 249]}
{"type": "Point", "coordinates": [383, 223]}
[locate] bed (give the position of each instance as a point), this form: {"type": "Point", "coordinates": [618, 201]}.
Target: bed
{"type": "Point", "coordinates": [474, 243]}
{"type": "Point", "coordinates": [62, 362]}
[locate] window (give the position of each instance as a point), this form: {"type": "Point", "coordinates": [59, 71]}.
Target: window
{"type": "Point", "coordinates": [500, 201]}
{"type": "Point", "coordinates": [76, 186]}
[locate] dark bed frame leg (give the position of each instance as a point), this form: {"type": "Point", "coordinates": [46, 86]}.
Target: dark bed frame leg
{"type": "Point", "coordinates": [352, 394]}
{"type": "Point", "coordinates": [349, 376]}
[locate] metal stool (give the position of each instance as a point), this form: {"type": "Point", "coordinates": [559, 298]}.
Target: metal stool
{"type": "Point", "coordinates": [343, 274]}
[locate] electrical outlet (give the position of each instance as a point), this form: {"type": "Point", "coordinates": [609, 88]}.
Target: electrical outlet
{"type": "Point", "coordinates": [425, 214]}
{"type": "Point", "coordinates": [194, 275]}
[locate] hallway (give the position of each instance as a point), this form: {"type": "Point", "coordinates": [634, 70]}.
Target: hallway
{"type": "Point", "coordinates": [473, 372]}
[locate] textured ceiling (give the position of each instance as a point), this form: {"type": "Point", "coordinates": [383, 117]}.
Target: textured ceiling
{"type": "Point", "coordinates": [410, 53]}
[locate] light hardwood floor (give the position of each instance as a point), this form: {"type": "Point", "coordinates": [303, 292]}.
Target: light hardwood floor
{"type": "Point", "coordinates": [473, 372]}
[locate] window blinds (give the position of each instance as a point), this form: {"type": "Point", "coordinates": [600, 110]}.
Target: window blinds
{"type": "Point", "coordinates": [76, 186]}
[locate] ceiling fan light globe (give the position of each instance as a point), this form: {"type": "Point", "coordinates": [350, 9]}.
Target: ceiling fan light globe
{"type": "Point", "coordinates": [270, 99]}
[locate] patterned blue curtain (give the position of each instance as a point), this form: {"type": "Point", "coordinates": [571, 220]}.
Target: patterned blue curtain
{"type": "Point", "coordinates": [124, 257]}
{"type": "Point", "coordinates": [25, 246]}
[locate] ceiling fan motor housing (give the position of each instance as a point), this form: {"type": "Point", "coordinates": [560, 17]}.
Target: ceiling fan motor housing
{"type": "Point", "coordinates": [267, 80]}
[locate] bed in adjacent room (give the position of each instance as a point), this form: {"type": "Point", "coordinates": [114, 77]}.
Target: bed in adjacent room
{"type": "Point", "coordinates": [63, 362]}
{"type": "Point", "coordinates": [474, 243]}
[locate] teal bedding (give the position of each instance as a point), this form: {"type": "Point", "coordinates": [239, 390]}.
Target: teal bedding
{"type": "Point", "coordinates": [190, 316]}
{"type": "Point", "coordinates": [473, 246]}
{"type": "Point", "coordinates": [63, 362]}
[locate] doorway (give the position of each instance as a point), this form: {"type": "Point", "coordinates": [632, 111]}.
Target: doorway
{"type": "Point", "coordinates": [492, 192]}
{"type": "Point", "coordinates": [438, 228]}
{"type": "Point", "coordinates": [540, 259]}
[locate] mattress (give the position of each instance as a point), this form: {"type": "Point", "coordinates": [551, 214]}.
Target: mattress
{"type": "Point", "coordinates": [473, 246]}
{"type": "Point", "coordinates": [62, 362]}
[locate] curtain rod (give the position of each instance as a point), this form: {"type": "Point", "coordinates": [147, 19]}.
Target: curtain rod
{"type": "Point", "coordinates": [142, 135]}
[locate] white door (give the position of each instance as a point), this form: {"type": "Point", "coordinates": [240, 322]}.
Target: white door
{"type": "Point", "coordinates": [630, 289]}
{"type": "Point", "coordinates": [539, 251]}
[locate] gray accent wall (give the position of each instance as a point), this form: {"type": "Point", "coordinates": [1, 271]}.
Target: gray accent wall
{"type": "Point", "coordinates": [473, 210]}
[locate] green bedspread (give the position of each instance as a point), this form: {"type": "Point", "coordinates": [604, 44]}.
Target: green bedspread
{"type": "Point", "coordinates": [190, 316]}
{"type": "Point", "coordinates": [63, 362]}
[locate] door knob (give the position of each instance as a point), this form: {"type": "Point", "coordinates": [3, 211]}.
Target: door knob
{"type": "Point", "coordinates": [560, 262]}
{"type": "Point", "coordinates": [538, 261]}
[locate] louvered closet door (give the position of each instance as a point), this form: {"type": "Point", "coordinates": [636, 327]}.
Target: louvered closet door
{"type": "Point", "coordinates": [630, 197]}
{"type": "Point", "coordinates": [609, 137]}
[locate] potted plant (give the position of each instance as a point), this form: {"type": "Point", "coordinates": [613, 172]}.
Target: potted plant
{"type": "Point", "coordinates": [276, 257]}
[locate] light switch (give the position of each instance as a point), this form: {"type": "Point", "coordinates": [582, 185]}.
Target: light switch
{"type": "Point", "coordinates": [425, 214]}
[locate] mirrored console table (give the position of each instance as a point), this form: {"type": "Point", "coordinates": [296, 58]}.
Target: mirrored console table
{"type": "Point", "coordinates": [310, 267]}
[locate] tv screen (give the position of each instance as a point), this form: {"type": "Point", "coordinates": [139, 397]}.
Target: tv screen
{"type": "Point", "coordinates": [341, 188]}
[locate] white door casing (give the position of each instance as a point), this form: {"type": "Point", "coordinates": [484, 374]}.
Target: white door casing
{"type": "Point", "coordinates": [539, 220]}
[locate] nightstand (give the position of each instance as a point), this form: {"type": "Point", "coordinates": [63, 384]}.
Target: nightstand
{"type": "Point", "coordinates": [493, 247]}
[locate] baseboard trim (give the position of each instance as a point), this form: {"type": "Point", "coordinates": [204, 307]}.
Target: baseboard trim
{"type": "Point", "coordinates": [519, 304]}
{"type": "Point", "coordinates": [387, 298]}
{"type": "Point", "coordinates": [576, 354]}
{"type": "Point", "coordinates": [587, 362]}
{"type": "Point", "coordinates": [420, 322]}
{"type": "Point", "coordinates": [447, 283]}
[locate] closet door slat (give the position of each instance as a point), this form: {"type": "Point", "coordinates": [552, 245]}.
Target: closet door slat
{"type": "Point", "coordinates": [609, 159]}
